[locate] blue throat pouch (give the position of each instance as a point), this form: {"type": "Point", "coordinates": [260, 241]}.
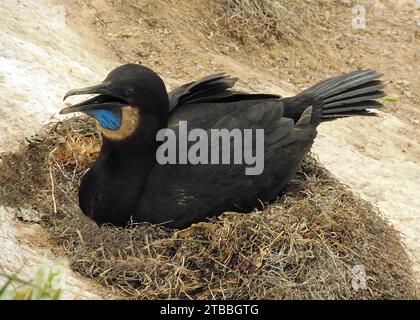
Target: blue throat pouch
{"type": "Point", "coordinates": [108, 119]}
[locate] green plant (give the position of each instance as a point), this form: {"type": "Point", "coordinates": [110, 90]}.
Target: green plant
{"type": "Point", "coordinates": [390, 99]}
{"type": "Point", "coordinates": [46, 285]}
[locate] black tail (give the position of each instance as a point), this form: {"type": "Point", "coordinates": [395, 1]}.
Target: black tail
{"type": "Point", "coordinates": [351, 94]}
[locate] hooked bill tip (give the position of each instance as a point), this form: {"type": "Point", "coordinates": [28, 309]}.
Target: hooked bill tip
{"type": "Point", "coordinates": [63, 111]}
{"type": "Point", "coordinates": [68, 94]}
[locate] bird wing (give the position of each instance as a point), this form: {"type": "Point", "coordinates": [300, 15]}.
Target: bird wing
{"type": "Point", "coordinates": [186, 193]}
{"type": "Point", "coordinates": [212, 88]}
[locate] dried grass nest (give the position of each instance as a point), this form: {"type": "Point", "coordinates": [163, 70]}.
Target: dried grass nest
{"type": "Point", "coordinates": [305, 246]}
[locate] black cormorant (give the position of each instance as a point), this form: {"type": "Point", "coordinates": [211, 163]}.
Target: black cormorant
{"type": "Point", "coordinates": [131, 105]}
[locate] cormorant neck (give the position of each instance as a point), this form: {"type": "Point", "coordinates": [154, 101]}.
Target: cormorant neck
{"type": "Point", "coordinates": [109, 191]}
{"type": "Point", "coordinates": [137, 146]}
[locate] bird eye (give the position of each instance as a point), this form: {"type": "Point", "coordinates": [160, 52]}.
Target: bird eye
{"type": "Point", "coordinates": [128, 92]}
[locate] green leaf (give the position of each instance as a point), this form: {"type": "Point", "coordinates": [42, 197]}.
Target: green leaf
{"type": "Point", "coordinates": [4, 288]}
{"type": "Point", "coordinates": [390, 99]}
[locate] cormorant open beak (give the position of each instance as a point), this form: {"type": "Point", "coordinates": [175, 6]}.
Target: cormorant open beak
{"type": "Point", "coordinates": [105, 99]}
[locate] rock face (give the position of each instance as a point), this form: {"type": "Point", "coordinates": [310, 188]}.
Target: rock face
{"type": "Point", "coordinates": [25, 248]}
{"type": "Point", "coordinates": [40, 59]}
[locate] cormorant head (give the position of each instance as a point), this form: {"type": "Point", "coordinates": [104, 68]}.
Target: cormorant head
{"type": "Point", "coordinates": [131, 102]}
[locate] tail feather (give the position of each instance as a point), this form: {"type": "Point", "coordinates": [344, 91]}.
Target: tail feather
{"type": "Point", "coordinates": [373, 86]}
{"type": "Point", "coordinates": [363, 106]}
{"type": "Point", "coordinates": [354, 100]}
{"type": "Point", "coordinates": [338, 84]}
{"type": "Point", "coordinates": [363, 113]}
{"type": "Point", "coordinates": [351, 94]}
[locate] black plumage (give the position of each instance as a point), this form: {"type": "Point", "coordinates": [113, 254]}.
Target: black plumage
{"type": "Point", "coordinates": [126, 181]}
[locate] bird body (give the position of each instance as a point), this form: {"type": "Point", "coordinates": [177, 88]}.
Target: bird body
{"type": "Point", "coordinates": [127, 182]}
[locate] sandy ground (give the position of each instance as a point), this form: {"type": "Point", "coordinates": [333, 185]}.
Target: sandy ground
{"type": "Point", "coordinates": [41, 58]}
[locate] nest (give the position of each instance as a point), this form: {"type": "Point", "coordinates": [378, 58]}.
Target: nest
{"type": "Point", "coordinates": [318, 241]}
